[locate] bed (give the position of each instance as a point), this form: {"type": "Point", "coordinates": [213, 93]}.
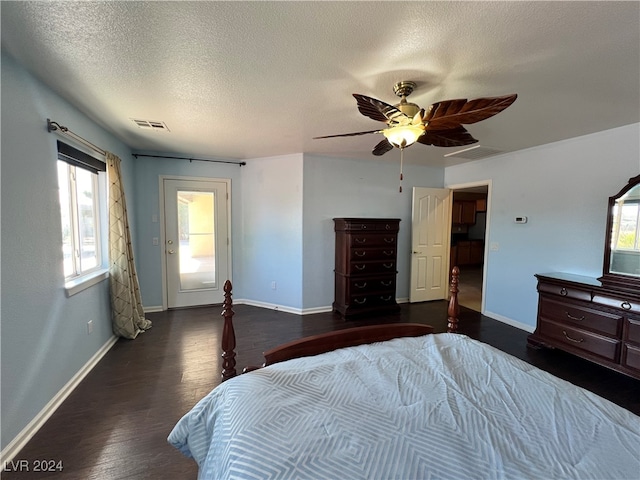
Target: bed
{"type": "Point", "coordinates": [424, 405]}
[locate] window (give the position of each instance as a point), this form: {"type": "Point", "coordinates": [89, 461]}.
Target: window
{"type": "Point", "coordinates": [80, 211]}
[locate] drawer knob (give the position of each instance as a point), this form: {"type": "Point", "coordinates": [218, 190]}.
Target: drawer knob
{"type": "Point", "coordinates": [361, 285]}
{"type": "Point", "coordinates": [574, 340]}
{"type": "Point", "coordinates": [626, 305]}
{"type": "Point", "coordinates": [563, 292]}
{"type": "Point", "coordinates": [571, 317]}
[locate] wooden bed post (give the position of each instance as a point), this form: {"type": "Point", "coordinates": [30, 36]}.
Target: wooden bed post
{"type": "Point", "coordinates": [454, 309]}
{"type": "Point", "coordinates": [228, 336]}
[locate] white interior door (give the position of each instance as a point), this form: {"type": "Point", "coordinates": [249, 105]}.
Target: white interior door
{"type": "Point", "coordinates": [430, 239]}
{"type": "Point", "coordinates": [196, 241]}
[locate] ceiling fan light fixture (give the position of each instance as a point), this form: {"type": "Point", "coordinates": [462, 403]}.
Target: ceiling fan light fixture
{"type": "Point", "coordinates": [403, 135]}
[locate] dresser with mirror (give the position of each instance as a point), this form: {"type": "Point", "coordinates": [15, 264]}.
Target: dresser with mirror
{"type": "Point", "coordinates": [599, 318]}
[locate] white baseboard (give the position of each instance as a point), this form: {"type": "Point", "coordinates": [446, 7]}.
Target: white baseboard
{"type": "Point", "coordinates": [27, 433]}
{"type": "Point", "coordinates": [508, 321]}
{"type": "Point", "coordinates": [282, 308]}
{"type": "Point", "coordinates": [153, 309]}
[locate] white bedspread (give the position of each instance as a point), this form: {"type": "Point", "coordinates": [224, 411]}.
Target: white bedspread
{"type": "Point", "coordinates": [438, 406]}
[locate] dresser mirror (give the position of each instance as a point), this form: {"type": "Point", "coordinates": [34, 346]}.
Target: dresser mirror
{"type": "Point", "coordinates": [622, 243]}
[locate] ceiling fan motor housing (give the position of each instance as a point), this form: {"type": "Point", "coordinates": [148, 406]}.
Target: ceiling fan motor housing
{"type": "Point", "coordinates": [403, 90]}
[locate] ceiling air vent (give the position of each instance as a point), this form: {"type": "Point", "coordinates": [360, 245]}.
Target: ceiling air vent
{"type": "Point", "coordinates": [149, 125]}
{"type": "Point", "coordinates": [475, 153]}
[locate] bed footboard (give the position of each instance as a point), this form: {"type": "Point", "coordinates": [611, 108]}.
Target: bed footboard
{"type": "Point", "coordinates": [326, 342]}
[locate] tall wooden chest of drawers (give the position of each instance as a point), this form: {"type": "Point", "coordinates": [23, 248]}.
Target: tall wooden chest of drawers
{"type": "Point", "coordinates": [365, 268]}
{"type": "Point", "coordinates": [578, 315]}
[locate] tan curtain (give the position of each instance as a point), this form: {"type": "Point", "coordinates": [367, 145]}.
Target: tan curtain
{"type": "Point", "coordinates": [127, 315]}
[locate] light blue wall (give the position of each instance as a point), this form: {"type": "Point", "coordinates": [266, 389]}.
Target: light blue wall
{"type": "Point", "coordinates": [563, 189]}
{"type": "Point", "coordinates": [338, 187]}
{"type": "Point", "coordinates": [271, 228]}
{"type": "Point", "coordinates": [147, 204]}
{"type": "Point", "coordinates": [44, 333]}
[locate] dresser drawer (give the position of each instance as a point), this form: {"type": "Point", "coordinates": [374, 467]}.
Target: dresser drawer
{"type": "Point", "coordinates": [365, 225]}
{"type": "Point", "coordinates": [372, 240]}
{"type": "Point", "coordinates": [631, 357]}
{"type": "Point", "coordinates": [564, 291]}
{"type": "Point", "coordinates": [374, 267]}
{"type": "Point", "coordinates": [632, 331]}
{"type": "Point", "coordinates": [372, 300]}
{"type": "Point", "coordinates": [625, 304]}
{"type": "Point", "coordinates": [584, 340]}
{"type": "Point", "coordinates": [359, 285]}
{"type": "Point", "coordinates": [373, 253]}
{"type": "Point", "coordinates": [580, 316]}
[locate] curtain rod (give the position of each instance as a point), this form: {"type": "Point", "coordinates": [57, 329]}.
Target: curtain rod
{"type": "Point", "coordinates": [189, 158]}
{"type": "Point", "coordinates": [55, 126]}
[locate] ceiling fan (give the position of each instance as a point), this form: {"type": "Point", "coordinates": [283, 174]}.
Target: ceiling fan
{"type": "Point", "coordinates": [439, 125]}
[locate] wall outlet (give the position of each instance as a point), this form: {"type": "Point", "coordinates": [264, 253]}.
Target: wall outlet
{"type": "Point", "coordinates": [274, 286]}
{"type": "Point", "coordinates": [89, 327]}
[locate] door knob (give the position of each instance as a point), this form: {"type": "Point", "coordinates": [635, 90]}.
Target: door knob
{"type": "Point", "coordinates": [416, 252]}
{"type": "Point", "coordinates": [172, 252]}
{"type": "Point", "coordinates": [170, 242]}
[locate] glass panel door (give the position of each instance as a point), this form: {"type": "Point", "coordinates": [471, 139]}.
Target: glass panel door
{"type": "Point", "coordinates": [196, 220]}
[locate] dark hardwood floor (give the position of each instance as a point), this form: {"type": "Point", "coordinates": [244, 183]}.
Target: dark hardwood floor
{"type": "Point", "coordinates": [115, 424]}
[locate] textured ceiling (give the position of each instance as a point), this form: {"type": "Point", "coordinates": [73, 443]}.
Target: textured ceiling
{"type": "Point", "coordinates": [256, 79]}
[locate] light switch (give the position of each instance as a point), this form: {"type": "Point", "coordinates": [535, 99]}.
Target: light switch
{"type": "Point", "coordinates": [154, 218]}
{"type": "Point", "coordinates": [156, 241]}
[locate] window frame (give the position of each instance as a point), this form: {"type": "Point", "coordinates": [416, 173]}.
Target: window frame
{"type": "Point", "coordinates": [73, 160]}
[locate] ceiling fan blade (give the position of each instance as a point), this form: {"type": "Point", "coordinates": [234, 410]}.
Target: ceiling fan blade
{"type": "Point", "coordinates": [381, 148]}
{"type": "Point", "coordinates": [348, 134]}
{"type": "Point", "coordinates": [452, 113]}
{"type": "Point", "coordinates": [377, 109]}
{"type": "Point", "coordinates": [453, 137]}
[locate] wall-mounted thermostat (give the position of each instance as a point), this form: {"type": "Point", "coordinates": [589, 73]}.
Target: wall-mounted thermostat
{"type": "Point", "coordinates": [521, 220]}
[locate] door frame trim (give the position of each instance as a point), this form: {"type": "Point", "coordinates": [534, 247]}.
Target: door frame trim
{"type": "Point", "coordinates": [161, 220]}
{"type": "Point", "coordinates": [487, 236]}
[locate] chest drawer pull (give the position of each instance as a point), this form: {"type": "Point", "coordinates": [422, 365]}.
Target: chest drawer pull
{"type": "Point", "coordinates": [361, 285]}
{"type": "Point", "coordinates": [387, 265]}
{"type": "Point", "coordinates": [571, 317]}
{"type": "Point", "coordinates": [386, 299]}
{"type": "Point", "coordinates": [388, 253]}
{"type": "Point", "coordinates": [389, 240]}
{"type": "Point", "coordinates": [626, 305]}
{"type": "Point", "coordinates": [386, 284]}
{"type": "Point", "coordinates": [574, 340]}
{"type": "Point", "coordinates": [563, 292]}
{"type": "Point", "coordinates": [360, 254]}
{"type": "Point", "coordinates": [360, 301]}
{"type": "Point", "coordinates": [360, 267]}
{"type": "Point", "coordinates": [360, 240]}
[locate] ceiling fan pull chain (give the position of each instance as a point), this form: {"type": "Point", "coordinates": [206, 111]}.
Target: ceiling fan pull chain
{"type": "Point", "coordinates": [401, 162]}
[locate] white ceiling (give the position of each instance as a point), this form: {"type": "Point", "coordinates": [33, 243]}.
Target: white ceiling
{"type": "Point", "coordinates": [256, 79]}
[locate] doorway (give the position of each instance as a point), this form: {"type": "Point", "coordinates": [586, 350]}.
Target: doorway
{"type": "Point", "coordinates": [196, 233]}
{"type": "Point", "coordinates": [469, 241]}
